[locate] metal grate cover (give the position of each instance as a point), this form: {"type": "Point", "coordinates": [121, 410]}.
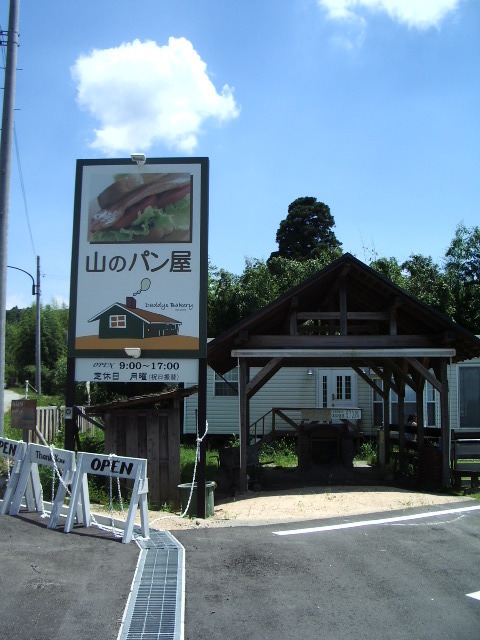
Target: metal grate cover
{"type": "Point", "coordinates": [156, 606]}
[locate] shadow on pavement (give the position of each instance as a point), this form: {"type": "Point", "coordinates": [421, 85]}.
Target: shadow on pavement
{"type": "Point", "coordinates": [57, 586]}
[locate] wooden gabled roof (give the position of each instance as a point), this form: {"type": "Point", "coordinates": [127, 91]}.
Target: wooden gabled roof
{"type": "Point", "coordinates": [345, 307]}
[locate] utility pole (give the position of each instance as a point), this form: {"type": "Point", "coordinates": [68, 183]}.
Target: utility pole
{"type": "Point", "coordinates": [5, 172]}
{"type": "Point", "coordinates": [38, 343]}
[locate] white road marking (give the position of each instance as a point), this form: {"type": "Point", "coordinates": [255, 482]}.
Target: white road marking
{"type": "Point", "coordinates": [475, 595]}
{"type": "Point", "coordinates": [369, 523]}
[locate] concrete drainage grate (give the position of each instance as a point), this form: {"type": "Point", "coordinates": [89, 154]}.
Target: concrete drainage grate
{"type": "Point", "coordinates": [156, 606]}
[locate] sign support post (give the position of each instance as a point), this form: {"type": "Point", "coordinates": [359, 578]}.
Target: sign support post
{"type": "Point", "coordinates": [201, 427]}
{"type": "Point", "coordinates": [117, 467]}
{"type": "Point", "coordinates": [16, 451]}
{"type": "Point", "coordinates": [70, 417]}
{"type": "Point", "coordinates": [38, 454]}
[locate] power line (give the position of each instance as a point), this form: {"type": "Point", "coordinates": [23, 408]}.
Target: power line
{"type": "Point", "coordinates": [22, 186]}
{"type": "Point", "coordinates": [55, 277]}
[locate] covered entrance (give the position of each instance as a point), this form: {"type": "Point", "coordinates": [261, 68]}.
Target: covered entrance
{"type": "Point", "coordinates": [348, 317]}
{"type": "Point", "coordinates": [336, 388]}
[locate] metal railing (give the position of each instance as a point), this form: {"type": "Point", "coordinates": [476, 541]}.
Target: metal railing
{"type": "Point", "coordinates": [268, 423]}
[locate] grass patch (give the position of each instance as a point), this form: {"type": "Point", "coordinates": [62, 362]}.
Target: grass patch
{"type": "Point", "coordinates": [187, 463]}
{"type": "Point", "coordinates": [280, 453]}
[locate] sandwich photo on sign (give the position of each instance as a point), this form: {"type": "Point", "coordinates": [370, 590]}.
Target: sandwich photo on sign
{"type": "Point", "coordinates": [142, 207]}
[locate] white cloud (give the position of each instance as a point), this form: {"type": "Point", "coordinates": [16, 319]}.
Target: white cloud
{"type": "Point", "coordinates": [420, 14]}
{"type": "Point", "coordinates": [142, 93]}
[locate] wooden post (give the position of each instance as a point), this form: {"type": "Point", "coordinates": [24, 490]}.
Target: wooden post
{"type": "Point", "coordinates": [174, 428]}
{"type": "Point", "coordinates": [401, 426]}
{"type": "Point", "coordinates": [343, 308]}
{"type": "Point", "coordinates": [445, 424]}
{"type": "Point", "coordinates": [202, 423]}
{"type": "Point", "coordinates": [420, 412]}
{"type": "Point", "coordinates": [243, 422]}
{"type": "Point", "coordinates": [70, 420]}
{"type": "Point", "coordinates": [386, 411]}
{"type": "Point", "coordinates": [153, 456]}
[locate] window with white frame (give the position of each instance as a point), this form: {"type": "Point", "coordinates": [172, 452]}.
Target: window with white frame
{"type": "Point", "coordinates": [118, 321]}
{"type": "Point", "coordinates": [431, 400]}
{"type": "Point", "coordinates": [410, 405]}
{"type": "Point", "coordinates": [378, 405]}
{"type": "Point", "coordinates": [469, 396]}
{"type": "Point", "coordinates": [227, 385]}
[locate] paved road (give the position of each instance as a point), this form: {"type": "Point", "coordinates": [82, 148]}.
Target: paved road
{"type": "Point", "coordinates": [8, 396]}
{"type": "Point", "coordinates": [400, 580]}
{"type": "Point", "coordinates": [57, 586]}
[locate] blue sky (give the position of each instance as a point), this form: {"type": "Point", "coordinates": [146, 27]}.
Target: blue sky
{"type": "Point", "coordinates": [371, 106]}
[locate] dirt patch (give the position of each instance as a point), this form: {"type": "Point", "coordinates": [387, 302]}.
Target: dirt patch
{"type": "Point", "coordinates": [289, 497]}
{"type": "Point", "coordinates": [295, 505]}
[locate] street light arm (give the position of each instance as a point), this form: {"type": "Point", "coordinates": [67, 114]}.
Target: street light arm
{"type": "Point", "coordinates": [34, 286]}
{"type": "Point", "coordinates": [38, 357]}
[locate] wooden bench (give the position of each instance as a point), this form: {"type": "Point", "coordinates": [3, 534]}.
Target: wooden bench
{"type": "Point", "coordinates": [465, 457]}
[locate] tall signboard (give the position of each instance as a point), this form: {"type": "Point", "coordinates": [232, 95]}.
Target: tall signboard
{"type": "Point", "coordinates": [139, 270]}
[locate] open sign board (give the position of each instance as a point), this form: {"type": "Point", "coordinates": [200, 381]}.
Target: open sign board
{"type": "Point", "coordinates": [24, 414]}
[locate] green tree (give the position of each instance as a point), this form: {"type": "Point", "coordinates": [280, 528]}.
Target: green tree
{"type": "Point", "coordinates": [233, 298]}
{"type": "Point", "coordinates": [12, 338]}
{"type": "Point", "coordinates": [462, 270]}
{"type": "Point", "coordinates": [256, 287]}
{"type": "Point", "coordinates": [424, 279]}
{"type": "Point", "coordinates": [307, 231]}
{"type": "Point", "coordinates": [289, 273]}
{"type": "Point", "coordinates": [391, 269]}
{"type": "Point", "coordinates": [223, 300]}
{"type": "Point", "coordinates": [21, 341]}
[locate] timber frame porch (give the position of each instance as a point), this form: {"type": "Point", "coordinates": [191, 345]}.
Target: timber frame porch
{"type": "Point", "coordinates": [348, 315]}
{"type": "Point", "coordinates": [295, 424]}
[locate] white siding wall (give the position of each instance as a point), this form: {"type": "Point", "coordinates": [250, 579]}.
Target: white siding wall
{"type": "Point", "coordinates": [454, 399]}
{"type": "Point", "coordinates": [365, 402]}
{"type": "Point", "coordinates": [452, 373]}
{"type": "Point", "coordinates": [294, 388]}
{"type": "Point", "coordinates": [290, 387]}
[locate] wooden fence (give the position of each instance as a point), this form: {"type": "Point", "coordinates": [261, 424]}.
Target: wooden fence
{"type": "Point", "coordinates": [51, 419]}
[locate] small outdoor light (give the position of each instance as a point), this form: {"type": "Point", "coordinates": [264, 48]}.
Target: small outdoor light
{"type": "Point", "coordinates": [139, 158]}
{"type": "Point", "coordinates": [309, 372]}
{"type": "Point", "coordinates": [133, 352]}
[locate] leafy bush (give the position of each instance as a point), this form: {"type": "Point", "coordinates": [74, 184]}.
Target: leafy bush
{"type": "Point", "coordinates": [368, 453]}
